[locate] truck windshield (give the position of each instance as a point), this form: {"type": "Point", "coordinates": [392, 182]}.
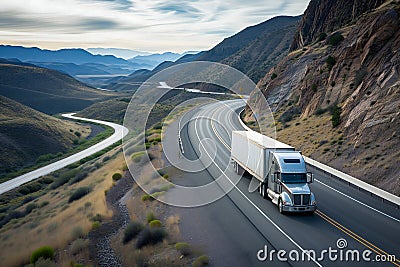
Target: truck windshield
{"type": "Point", "coordinates": [292, 178]}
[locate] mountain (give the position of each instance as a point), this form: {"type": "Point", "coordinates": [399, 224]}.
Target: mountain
{"type": "Point", "coordinates": [253, 51]}
{"type": "Point", "coordinates": [246, 37]}
{"type": "Point", "coordinates": [154, 60]}
{"type": "Point", "coordinates": [74, 62]}
{"type": "Point", "coordinates": [269, 47]}
{"type": "Point", "coordinates": [336, 96]}
{"type": "Point", "coordinates": [327, 16]}
{"type": "Point", "coordinates": [25, 134]}
{"type": "Point", "coordinates": [118, 52]}
{"type": "Point", "coordinates": [46, 90]}
{"type": "Point", "coordinates": [77, 56]}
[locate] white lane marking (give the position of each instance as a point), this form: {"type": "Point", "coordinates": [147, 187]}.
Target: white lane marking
{"type": "Point", "coordinates": [358, 201]}
{"type": "Point", "coordinates": [254, 205]}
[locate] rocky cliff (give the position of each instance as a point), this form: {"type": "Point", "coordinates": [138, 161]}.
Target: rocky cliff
{"type": "Point", "coordinates": [324, 16]}
{"type": "Point", "coordinates": [338, 98]}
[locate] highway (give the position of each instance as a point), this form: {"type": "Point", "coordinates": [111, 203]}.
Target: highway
{"type": "Point", "coordinates": [119, 132]}
{"type": "Point", "coordinates": [248, 221]}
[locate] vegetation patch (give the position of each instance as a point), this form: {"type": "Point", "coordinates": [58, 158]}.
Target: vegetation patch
{"type": "Point", "coordinates": [183, 248]}
{"type": "Point", "coordinates": [45, 252]}
{"type": "Point", "coordinates": [336, 112]}
{"type": "Point", "coordinates": [150, 236]}
{"type": "Point", "coordinates": [202, 260]}
{"type": "Point", "coordinates": [335, 39]}
{"type": "Point", "coordinates": [116, 176]}
{"type": "Point", "coordinates": [131, 231]}
{"type": "Point", "coordinates": [79, 193]}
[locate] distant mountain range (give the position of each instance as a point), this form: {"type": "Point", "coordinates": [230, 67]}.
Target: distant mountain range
{"type": "Point", "coordinates": [253, 51]}
{"type": "Point", "coordinates": [46, 90]}
{"type": "Point", "coordinates": [79, 62]}
{"type": "Point", "coordinates": [155, 59]}
{"type": "Point", "coordinates": [118, 52]}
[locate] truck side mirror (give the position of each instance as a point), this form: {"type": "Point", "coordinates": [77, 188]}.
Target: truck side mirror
{"type": "Point", "coordinates": [310, 177]}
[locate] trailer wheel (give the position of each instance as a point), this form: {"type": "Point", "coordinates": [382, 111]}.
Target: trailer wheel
{"type": "Point", "coordinates": [262, 190]}
{"type": "Point", "coordinates": [280, 206]}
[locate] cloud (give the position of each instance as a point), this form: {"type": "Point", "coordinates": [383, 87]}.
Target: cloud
{"type": "Point", "coordinates": [147, 25]}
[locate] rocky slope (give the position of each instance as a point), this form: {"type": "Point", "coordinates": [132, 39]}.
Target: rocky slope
{"type": "Point", "coordinates": [322, 17]}
{"type": "Point", "coordinates": [353, 73]}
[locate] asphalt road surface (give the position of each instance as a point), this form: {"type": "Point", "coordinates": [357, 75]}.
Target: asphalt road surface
{"type": "Point", "coordinates": [237, 226]}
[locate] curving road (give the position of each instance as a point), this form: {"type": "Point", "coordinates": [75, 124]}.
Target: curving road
{"type": "Point", "coordinates": [246, 222]}
{"type": "Point", "coordinates": [119, 132]}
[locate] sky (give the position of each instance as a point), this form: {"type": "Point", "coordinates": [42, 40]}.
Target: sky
{"type": "Point", "coordinates": [143, 25]}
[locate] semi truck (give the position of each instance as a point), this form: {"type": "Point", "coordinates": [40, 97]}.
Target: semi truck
{"type": "Point", "coordinates": [279, 169]}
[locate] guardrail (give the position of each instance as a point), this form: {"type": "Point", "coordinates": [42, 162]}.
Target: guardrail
{"type": "Point", "coordinates": [372, 190]}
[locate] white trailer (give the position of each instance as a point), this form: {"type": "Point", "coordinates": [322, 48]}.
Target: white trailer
{"type": "Point", "coordinates": [279, 168]}
{"type": "Point", "coordinates": [250, 151]}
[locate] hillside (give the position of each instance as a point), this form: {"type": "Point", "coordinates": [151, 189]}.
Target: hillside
{"type": "Point", "coordinates": [350, 77]}
{"type": "Point", "coordinates": [46, 90]}
{"type": "Point", "coordinates": [246, 37]}
{"type": "Point", "coordinates": [253, 51]}
{"type": "Point", "coordinates": [25, 134]}
{"type": "Point", "coordinates": [266, 50]}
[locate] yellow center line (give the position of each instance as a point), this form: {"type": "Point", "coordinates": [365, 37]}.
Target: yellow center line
{"type": "Point", "coordinates": [356, 237]}
{"type": "Point", "coordinates": [325, 217]}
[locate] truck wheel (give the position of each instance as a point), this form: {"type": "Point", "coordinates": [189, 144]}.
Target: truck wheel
{"type": "Point", "coordinates": [263, 192]}
{"type": "Point", "coordinates": [280, 206]}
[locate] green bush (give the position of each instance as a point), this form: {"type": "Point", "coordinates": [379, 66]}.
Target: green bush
{"type": "Point", "coordinates": [96, 225]}
{"type": "Point", "coordinates": [319, 111]}
{"type": "Point", "coordinates": [79, 193]}
{"type": "Point", "coordinates": [157, 126]}
{"type": "Point", "coordinates": [96, 218]}
{"type": "Point", "coordinates": [330, 62]}
{"type": "Point", "coordinates": [273, 76]}
{"type": "Point", "coordinates": [150, 217]}
{"type": "Point", "coordinates": [29, 208]}
{"type": "Point", "coordinates": [336, 112]}
{"type": "Point", "coordinates": [314, 87]}
{"type": "Point", "coordinates": [131, 231]}
{"type": "Point", "coordinates": [203, 260]}
{"type": "Point", "coordinates": [116, 176]}
{"type": "Point", "coordinates": [155, 223]}
{"type": "Point", "coordinates": [183, 248]}
{"type": "Point", "coordinates": [335, 39]}
{"type": "Point", "coordinates": [146, 197]}
{"type": "Point", "coordinates": [150, 236]}
{"type": "Point", "coordinates": [64, 178]}
{"type": "Point", "coordinates": [45, 158]}
{"type": "Point", "coordinates": [45, 252]}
